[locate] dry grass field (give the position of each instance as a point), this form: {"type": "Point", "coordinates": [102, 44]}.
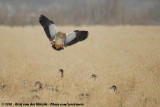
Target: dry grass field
{"type": "Point", "coordinates": [125, 56]}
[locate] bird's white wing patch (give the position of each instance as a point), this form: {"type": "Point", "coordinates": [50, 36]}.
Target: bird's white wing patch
{"type": "Point", "coordinates": [52, 30]}
{"type": "Point", "coordinates": [69, 37]}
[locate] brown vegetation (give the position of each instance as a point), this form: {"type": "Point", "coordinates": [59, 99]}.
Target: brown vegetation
{"type": "Point", "coordinates": [122, 56]}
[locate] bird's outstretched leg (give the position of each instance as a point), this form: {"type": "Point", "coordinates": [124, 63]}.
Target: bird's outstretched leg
{"type": "Point", "coordinates": [62, 46]}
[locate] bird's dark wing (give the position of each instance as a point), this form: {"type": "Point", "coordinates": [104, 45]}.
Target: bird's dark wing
{"type": "Point", "coordinates": [75, 36]}
{"type": "Point", "coordinates": [49, 27]}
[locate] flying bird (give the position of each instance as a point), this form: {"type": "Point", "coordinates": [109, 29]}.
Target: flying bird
{"type": "Point", "coordinates": [58, 39]}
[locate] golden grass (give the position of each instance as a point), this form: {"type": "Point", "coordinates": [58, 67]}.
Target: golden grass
{"type": "Point", "coordinates": [125, 56]}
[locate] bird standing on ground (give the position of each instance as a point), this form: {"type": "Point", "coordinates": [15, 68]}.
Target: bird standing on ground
{"type": "Point", "coordinates": [94, 76]}
{"type": "Point", "coordinates": [3, 87]}
{"type": "Point", "coordinates": [58, 39]}
{"type": "Point", "coordinates": [114, 88]}
{"type": "Point", "coordinates": [61, 70]}
{"type": "Point", "coordinates": [39, 85]}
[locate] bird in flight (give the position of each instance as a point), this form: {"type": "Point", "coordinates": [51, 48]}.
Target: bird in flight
{"type": "Point", "coordinates": [58, 39]}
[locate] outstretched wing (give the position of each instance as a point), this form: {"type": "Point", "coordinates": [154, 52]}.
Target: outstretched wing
{"type": "Point", "coordinates": [75, 36]}
{"type": "Point", "coordinates": [49, 27]}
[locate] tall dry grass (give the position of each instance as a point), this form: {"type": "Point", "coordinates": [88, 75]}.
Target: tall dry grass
{"type": "Point", "coordinates": [125, 56]}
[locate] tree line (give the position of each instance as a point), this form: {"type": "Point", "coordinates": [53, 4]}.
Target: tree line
{"type": "Point", "coordinates": [105, 12]}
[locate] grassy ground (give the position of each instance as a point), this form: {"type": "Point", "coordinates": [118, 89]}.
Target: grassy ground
{"type": "Point", "coordinates": [125, 56]}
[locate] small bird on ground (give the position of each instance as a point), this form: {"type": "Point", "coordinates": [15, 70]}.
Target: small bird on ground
{"type": "Point", "coordinates": [87, 95]}
{"type": "Point", "coordinates": [81, 95]}
{"type": "Point", "coordinates": [24, 82]}
{"type": "Point", "coordinates": [39, 85]}
{"type": "Point", "coordinates": [48, 87]}
{"type": "Point", "coordinates": [114, 88]}
{"type": "Point", "coordinates": [94, 76]}
{"type": "Point", "coordinates": [58, 39]}
{"type": "Point", "coordinates": [36, 96]}
{"type": "Point", "coordinates": [3, 87]}
{"type": "Point", "coordinates": [61, 70]}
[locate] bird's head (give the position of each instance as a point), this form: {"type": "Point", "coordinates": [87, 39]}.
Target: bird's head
{"type": "Point", "coordinates": [57, 47]}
